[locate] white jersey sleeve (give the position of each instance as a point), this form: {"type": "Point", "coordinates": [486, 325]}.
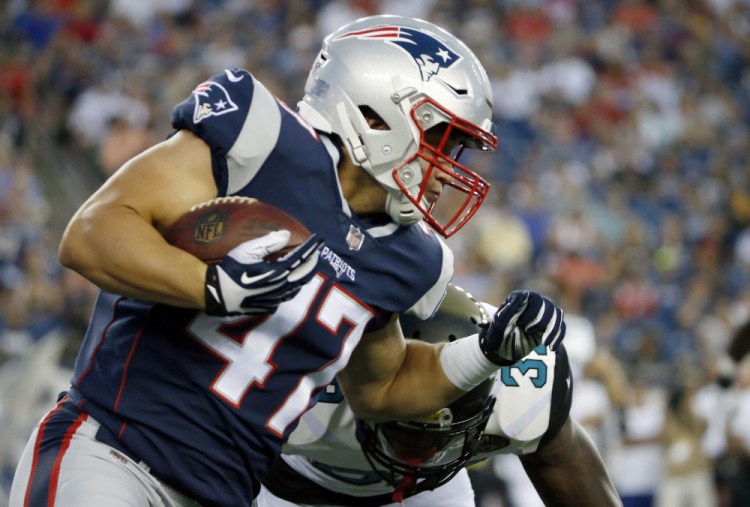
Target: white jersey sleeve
{"type": "Point", "coordinates": [533, 399]}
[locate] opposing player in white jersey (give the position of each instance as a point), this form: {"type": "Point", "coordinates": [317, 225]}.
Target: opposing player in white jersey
{"type": "Point", "coordinates": [334, 459]}
{"type": "Point", "coordinates": [191, 376]}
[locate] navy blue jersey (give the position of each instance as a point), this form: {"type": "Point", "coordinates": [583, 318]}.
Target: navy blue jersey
{"type": "Point", "coordinates": [206, 402]}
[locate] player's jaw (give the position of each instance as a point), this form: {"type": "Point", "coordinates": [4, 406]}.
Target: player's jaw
{"type": "Point", "coordinates": [435, 177]}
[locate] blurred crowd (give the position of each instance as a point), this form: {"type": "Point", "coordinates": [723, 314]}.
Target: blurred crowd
{"type": "Point", "coordinates": [621, 186]}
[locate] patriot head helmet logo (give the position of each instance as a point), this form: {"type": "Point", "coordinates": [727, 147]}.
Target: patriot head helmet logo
{"type": "Point", "coordinates": [429, 53]}
{"type": "Point", "coordinates": [211, 99]}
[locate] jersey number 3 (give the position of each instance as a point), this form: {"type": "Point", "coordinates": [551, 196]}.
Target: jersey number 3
{"type": "Point", "coordinates": [249, 360]}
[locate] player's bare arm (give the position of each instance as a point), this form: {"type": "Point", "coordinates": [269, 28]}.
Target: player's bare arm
{"type": "Point", "coordinates": [114, 238]}
{"type": "Point", "coordinates": [384, 372]}
{"type": "Point", "coordinates": [569, 472]}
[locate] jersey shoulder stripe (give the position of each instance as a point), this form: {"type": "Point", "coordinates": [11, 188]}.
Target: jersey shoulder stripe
{"type": "Point", "coordinates": [258, 137]}
{"type": "Point", "coordinates": [238, 118]}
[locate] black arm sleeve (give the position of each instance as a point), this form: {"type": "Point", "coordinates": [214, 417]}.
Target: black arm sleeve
{"type": "Point", "coordinates": [562, 396]}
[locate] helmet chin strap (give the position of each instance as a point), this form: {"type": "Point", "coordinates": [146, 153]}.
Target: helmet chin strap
{"type": "Point", "coordinates": [356, 148]}
{"type": "Point", "coordinates": [401, 209]}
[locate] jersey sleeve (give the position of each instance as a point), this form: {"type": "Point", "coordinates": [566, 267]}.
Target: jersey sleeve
{"type": "Point", "coordinates": [240, 121]}
{"type": "Point", "coordinates": [533, 402]}
{"type": "Point", "coordinates": [562, 396]}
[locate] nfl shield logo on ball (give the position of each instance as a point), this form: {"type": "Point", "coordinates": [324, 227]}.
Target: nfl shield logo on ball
{"type": "Point", "coordinates": [209, 228]}
{"type": "Point", "coordinates": [355, 238]}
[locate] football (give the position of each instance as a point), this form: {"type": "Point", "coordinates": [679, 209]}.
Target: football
{"type": "Point", "coordinates": [211, 229]}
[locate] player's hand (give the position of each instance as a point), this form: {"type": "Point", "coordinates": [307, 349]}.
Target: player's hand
{"type": "Point", "coordinates": [244, 283]}
{"type": "Point", "coordinates": [524, 321]}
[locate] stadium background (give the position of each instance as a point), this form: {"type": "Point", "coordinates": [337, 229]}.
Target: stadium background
{"type": "Point", "coordinates": [621, 188]}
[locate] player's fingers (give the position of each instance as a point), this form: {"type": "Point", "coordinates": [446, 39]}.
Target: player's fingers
{"type": "Point", "coordinates": [256, 249]}
{"type": "Point", "coordinates": [555, 337]}
{"type": "Point", "coordinates": [510, 310]}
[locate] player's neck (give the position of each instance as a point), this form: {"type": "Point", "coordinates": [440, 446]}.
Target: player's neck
{"type": "Point", "coordinates": [363, 193]}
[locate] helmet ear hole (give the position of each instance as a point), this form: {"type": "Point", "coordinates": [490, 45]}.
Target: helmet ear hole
{"type": "Point", "coordinates": [374, 120]}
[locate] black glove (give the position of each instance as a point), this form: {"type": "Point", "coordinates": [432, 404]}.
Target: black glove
{"type": "Point", "coordinates": [523, 322]}
{"type": "Point", "coordinates": [243, 282]}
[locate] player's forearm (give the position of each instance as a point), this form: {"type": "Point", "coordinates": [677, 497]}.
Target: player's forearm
{"type": "Point", "coordinates": [569, 471]}
{"type": "Point", "coordinates": [120, 252]}
{"type": "Point", "coordinates": [417, 388]}
{"type": "Point", "coordinates": [421, 386]}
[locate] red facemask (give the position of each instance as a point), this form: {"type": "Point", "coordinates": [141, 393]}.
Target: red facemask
{"type": "Point", "coordinates": [441, 153]}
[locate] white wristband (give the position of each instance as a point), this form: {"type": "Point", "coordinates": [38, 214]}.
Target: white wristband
{"type": "Point", "coordinates": [464, 363]}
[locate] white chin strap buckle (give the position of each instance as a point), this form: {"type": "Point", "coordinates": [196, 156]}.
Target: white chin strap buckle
{"type": "Point", "coordinates": [401, 209]}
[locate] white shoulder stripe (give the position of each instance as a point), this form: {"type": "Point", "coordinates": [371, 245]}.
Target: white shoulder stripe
{"type": "Point", "coordinates": [256, 140]}
{"type": "Point", "coordinates": [428, 303]}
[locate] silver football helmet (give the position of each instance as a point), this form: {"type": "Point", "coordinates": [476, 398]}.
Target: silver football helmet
{"type": "Point", "coordinates": [434, 100]}
{"type": "Point", "coordinates": [459, 315]}
{"type": "Point", "coordinates": [423, 454]}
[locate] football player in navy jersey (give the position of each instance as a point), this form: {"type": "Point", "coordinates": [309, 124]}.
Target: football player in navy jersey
{"type": "Point", "coordinates": [334, 459]}
{"type": "Point", "coordinates": [191, 376]}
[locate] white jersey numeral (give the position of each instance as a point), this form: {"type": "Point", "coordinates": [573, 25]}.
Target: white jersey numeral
{"type": "Point", "coordinates": [338, 307]}
{"type": "Point", "coordinates": [249, 358]}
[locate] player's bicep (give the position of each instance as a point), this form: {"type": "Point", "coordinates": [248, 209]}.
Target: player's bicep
{"type": "Point", "coordinates": [569, 470]}
{"type": "Point", "coordinates": [114, 239]}
{"type": "Point", "coordinates": [558, 451]}
{"type": "Point", "coordinates": [162, 183]}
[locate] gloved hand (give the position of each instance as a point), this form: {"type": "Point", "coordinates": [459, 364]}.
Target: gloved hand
{"type": "Point", "coordinates": [524, 321]}
{"type": "Point", "coordinates": [244, 283]}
